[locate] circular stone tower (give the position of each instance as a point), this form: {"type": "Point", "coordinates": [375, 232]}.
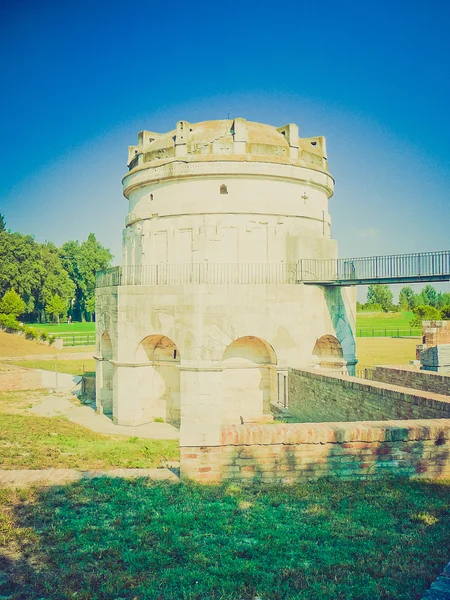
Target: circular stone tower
{"type": "Point", "coordinates": [208, 311]}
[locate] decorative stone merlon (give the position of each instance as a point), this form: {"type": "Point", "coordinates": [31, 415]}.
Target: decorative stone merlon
{"type": "Point", "coordinates": [240, 136]}
{"type": "Point", "coordinates": [290, 132]}
{"type": "Point", "coordinates": [181, 138]}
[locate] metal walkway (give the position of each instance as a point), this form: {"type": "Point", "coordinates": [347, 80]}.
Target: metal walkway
{"type": "Point", "coordinates": [395, 268]}
{"type": "Point", "coordinates": [401, 268]}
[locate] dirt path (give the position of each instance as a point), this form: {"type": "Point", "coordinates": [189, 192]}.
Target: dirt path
{"type": "Point", "coordinates": [25, 478]}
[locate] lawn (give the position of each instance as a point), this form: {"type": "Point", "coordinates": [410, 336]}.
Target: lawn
{"type": "Point", "coordinates": [31, 442]}
{"type": "Point", "coordinates": [383, 320]}
{"type": "Point", "coordinates": [137, 539]}
{"type": "Point", "coordinates": [385, 351]}
{"type": "Point", "coordinates": [71, 366]}
{"type": "Point", "coordinates": [64, 327]}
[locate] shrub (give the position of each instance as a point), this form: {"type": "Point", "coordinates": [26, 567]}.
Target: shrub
{"type": "Point", "coordinates": [445, 312]}
{"type": "Point", "coordinates": [424, 313]}
{"type": "Point", "coordinates": [30, 333]}
{"type": "Point", "coordinates": [43, 336]}
{"type": "Point", "coordinates": [12, 304]}
{"type": "Point", "coordinates": [51, 339]}
{"type": "Point", "coordinates": [10, 323]}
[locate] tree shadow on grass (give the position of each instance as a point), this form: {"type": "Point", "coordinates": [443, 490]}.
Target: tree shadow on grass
{"type": "Point", "coordinates": [111, 538]}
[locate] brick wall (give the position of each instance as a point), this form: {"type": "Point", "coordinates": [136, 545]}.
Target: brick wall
{"type": "Point", "coordinates": [297, 451]}
{"type": "Point", "coordinates": [315, 396]}
{"type": "Point", "coordinates": [436, 332]}
{"type": "Point", "coordinates": [413, 378]}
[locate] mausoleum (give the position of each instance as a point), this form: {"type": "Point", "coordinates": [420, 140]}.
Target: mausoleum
{"type": "Point", "coordinates": [208, 311]}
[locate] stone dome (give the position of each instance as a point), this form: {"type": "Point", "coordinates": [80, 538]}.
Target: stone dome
{"type": "Point", "coordinates": [229, 139]}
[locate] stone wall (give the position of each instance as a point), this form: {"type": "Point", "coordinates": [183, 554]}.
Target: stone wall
{"type": "Point", "coordinates": [88, 386]}
{"type": "Point", "coordinates": [297, 451]}
{"type": "Point", "coordinates": [315, 396]}
{"type": "Point", "coordinates": [413, 378]}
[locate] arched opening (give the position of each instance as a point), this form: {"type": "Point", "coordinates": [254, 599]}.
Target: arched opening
{"type": "Point", "coordinates": [328, 352]}
{"type": "Point", "coordinates": [249, 383]}
{"type": "Point", "coordinates": [107, 373]}
{"type": "Point", "coordinates": [223, 189]}
{"type": "Point", "coordinates": [159, 378]}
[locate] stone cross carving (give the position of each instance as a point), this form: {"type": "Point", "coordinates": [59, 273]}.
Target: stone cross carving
{"type": "Point", "coordinates": [305, 197]}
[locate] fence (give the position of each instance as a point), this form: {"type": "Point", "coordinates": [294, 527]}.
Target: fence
{"type": "Point", "coordinates": [389, 332]}
{"type": "Point", "coordinates": [77, 339]}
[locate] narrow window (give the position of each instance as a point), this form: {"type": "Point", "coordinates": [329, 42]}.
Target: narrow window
{"type": "Point", "coordinates": [174, 353]}
{"type": "Point", "coordinates": [151, 196]}
{"type": "Point", "coordinates": [223, 189]}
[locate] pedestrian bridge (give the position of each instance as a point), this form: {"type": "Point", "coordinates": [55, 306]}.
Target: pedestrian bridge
{"type": "Point", "coordinates": [398, 268]}
{"type": "Point", "coordinates": [394, 268]}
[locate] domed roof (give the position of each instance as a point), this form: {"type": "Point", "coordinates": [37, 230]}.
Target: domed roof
{"type": "Point", "coordinates": [216, 140]}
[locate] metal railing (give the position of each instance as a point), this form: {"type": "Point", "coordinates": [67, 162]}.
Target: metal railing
{"type": "Point", "coordinates": [198, 273]}
{"type": "Point", "coordinates": [391, 268]}
{"type": "Point", "coordinates": [425, 266]}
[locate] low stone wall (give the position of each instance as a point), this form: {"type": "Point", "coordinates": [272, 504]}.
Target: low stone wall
{"type": "Point", "coordinates": [413, 378]}
{"type": "Point", "coordinates": [88, 386]}
{"type": "Point", "coordinates": [316, 396]}
{"type": "Point", "coordinates": [297, 451]}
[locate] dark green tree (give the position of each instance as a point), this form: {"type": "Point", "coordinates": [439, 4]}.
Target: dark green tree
{"type": "Point", "coordinates": [407, 298]}
{"type": "Point", "coordinates": [81, 262]}
{"type": "Point", "coordinates": [429, 296]}
{"type": "Point", "coordinates": [2, 223]}
{"type": "Point", "coordinates": [380, 293]}
{"type": "Point", "coordinates": [424, 312]}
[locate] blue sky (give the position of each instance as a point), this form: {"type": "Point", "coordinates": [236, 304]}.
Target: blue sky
{"type": "Point", "coordinates": [80, 79]}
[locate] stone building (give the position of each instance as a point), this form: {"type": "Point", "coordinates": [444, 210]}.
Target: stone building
{"type": "Point", "coordinates": [207, 312]}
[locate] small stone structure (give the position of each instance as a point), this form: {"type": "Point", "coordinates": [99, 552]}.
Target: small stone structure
{"type": "Point", "coordinates": [205, 316]}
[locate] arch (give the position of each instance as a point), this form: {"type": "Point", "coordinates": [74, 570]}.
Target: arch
{"type": "Point", "coordinates": [249, 379]}
{"type": "Point", "coordinates": [106, 375]}
{"type": "Point", "coordinates": [157, 347]}
{"type": "Point", "coordinates": [328, 351]}
{"type": "Point", "coordinates": [252, 349]}
{"type": "Point", "coordinates": [159, 378]}
{"type": "Point", "coordinates": [106, 348]}
{"type": "Point", "coordinates": [223, 189]}
{"type": "Point", "coordinates": [328, 346]}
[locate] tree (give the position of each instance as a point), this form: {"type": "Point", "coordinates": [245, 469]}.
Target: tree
{"type": "Point", "coordinates": [81, 262]}
{"type": "Point", "coordinates": [445, 312]}
{"type": "Point", "coordinates": [424, 312]}
{"type": "Point", "coordinates": [380, 294]}
{"type": "Point", "coordinates": [407, 298]}
{"type": "Point", "coordinates": [56, 307]}
{"type": "Point", "coordinates": [12, 304]}
{"type": "Point", "coordinates": [443, 300]}
{"type": "Point", "coordinates": [90, 306]}
{"type": "Point", "coordinates": [2, 223]}
{"type": "Point", "coordinates": [429, 296]}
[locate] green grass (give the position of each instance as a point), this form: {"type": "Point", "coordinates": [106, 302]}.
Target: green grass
{"type": "Point", "coordinates": [54, 328]}
{"type": "Point", "coordinates": [72, 366]}
{"type": "Point", "coordinates": [383, 320]}
{"type": "Point", "coordinates": [31, 442]}
{"type": "Point", "coordinates": [135, 539]}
